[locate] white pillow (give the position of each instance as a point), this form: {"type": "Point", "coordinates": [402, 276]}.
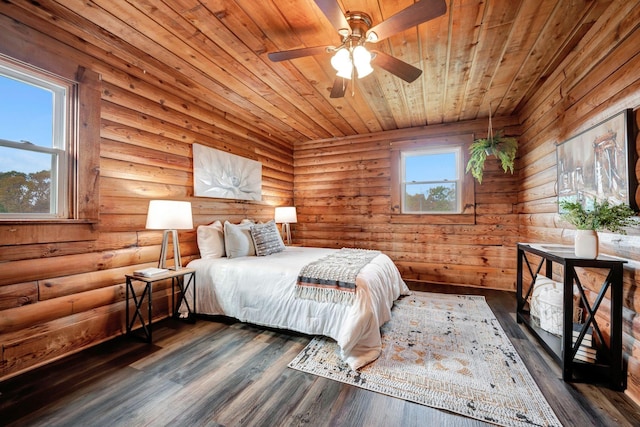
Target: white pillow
{"type": "Point", "coordinates": [266, 238]}
{"type": "Point", "coordinates": [237, 240]}
{"type": "Point", "coordinates": [211, 240]}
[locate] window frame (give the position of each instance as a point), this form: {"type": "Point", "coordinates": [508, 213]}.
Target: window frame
{"type": "Point", "coordinates": [63, 122]}
{"type": "Point", "coordinates": [83, 186]}
{"type": "Point", "coordinates": [466, 215]}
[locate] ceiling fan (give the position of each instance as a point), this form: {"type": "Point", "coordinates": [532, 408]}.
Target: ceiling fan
{"type": "Point", "coordinates": [355, 30]}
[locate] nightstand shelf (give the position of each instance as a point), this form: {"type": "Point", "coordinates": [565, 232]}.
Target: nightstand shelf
{"type": "Point", "coordinates": [184, 279]}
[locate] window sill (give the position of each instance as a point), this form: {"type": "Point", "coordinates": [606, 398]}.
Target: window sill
{"type": "Point", "coordinates": [24, 232]}
{"type": "Point", "coordinates": [31, 221]}
{"type": "Point", "coordinates": [433, 219]}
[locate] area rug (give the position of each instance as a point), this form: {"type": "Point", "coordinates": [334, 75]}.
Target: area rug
{"type": "Point", "coordinates": [447, 352]}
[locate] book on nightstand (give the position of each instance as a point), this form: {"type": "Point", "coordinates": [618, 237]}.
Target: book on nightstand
{"type": "Point", "coordinates": [150, 272]}
{"type": "Point", "coordinates": [588, 336]}
{"type": "Point", "coordinates": [583, 357]}
{"type": "Point", "coordinates": [585, 352]}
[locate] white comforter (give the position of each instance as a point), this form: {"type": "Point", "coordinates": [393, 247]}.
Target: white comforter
{"type": "Point", "coordinates": [260, 290]}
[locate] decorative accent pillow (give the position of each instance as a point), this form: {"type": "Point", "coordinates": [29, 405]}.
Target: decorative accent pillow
{"type": "Point", "coordinates": [237, 240]}
{"type": "Point", "coordinates": [266, 238]}
{"type": "Point", "coordinates": [211, 240]}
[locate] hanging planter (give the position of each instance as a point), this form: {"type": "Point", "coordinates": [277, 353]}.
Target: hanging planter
{"type": "Point", "coordinates": [504, 148]}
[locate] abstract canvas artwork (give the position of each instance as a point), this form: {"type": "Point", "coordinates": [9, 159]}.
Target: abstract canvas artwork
{"type": "Point", "coordinates": [594, 165]}
{"type": "Point", "coordinates": [224, 175]}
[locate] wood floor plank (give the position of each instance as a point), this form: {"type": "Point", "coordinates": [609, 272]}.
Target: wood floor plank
{"type": "Point", "coordinates": [320, 394]}
{"type": "Point", "coordinates": [255, 405]}
{"type": "Point", "coordinates": [220, 372]}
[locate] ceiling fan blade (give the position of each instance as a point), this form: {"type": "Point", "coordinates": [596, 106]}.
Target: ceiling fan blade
{"type": "Point", "coordinates": [297, 53]}
{"type": "Point", "coordinates": [332, 11]}
{"type": "Point", "coordinates": [339, 87]}
{"type": "Point", "coordinates": [413, 15]}
{"type": "Point", "coordinates": [405, 71]}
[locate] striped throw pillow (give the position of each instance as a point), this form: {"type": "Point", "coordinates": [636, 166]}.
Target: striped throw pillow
{"type": "Point", "coordinates": [266, 238]}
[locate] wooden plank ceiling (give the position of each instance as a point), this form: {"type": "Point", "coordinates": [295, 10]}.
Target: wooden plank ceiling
{"type": "Point", "coordinates": [481, 53]}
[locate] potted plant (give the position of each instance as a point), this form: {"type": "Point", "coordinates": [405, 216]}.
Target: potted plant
{"type": "Point", "coordinates": [504, 148]}
{"type": "Point", "coordinates": [602, 216]}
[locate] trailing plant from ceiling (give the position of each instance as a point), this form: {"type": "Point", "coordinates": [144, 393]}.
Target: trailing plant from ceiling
{"type": "Point", "coordinates": [503, 147]}
{"type": "Point", "coordinates": [602, 216]}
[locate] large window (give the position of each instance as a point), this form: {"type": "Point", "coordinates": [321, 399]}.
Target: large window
{"type": "Point", "coordinates": [35, 109]}
{"type": "Point", "coordinates": [431, 180]}
{"type": "Point", "coordinates": [49, 143]}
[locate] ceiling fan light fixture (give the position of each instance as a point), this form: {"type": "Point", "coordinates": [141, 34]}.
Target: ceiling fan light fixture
{"type": "Point", "coordinates": [364, 71]}
{"type": "Point", "coordinates": [341, 59]}
{"type": "Point", "coordinates": [362, 61]}
{"type": "Point", "coordinates": [346, 71]}
{"type": "Point", "coordinates": [341, 62]}
{"type": "Point", "coordinates": [355, 29]}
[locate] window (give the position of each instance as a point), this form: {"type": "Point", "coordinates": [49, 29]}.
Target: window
{"type": "Point", "coordinates": [76, 197]}
{"type": "Point", "coordinates": [34, 143]}
{"type": "Point", "coordinates": [431, 180]}
{"type": "Point", "coordinates": [428, 179]}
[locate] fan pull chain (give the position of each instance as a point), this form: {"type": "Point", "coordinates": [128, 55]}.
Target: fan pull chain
{"type": "Point", "coordinates": [353, 82]}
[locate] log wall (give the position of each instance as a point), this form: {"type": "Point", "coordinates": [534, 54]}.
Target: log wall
{"type": "Point", "coordinates": [598, 80]}
{"type": "Point", "coordinates": [57, 298]}
{"type": "Point", "coordinates": [343, 196]}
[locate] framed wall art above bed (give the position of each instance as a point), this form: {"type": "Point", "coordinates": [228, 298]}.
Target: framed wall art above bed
{"type": "Point", "coordinates": [224, 175]}
{"type": "Point", "coordinates": [599, 163]}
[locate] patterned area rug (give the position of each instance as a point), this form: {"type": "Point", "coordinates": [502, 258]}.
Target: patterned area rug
{"type": "Point", "coordinates": [447, 352]}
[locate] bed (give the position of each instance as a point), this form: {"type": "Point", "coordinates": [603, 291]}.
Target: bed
{"type": "Point", "coordinates": [260, 290]}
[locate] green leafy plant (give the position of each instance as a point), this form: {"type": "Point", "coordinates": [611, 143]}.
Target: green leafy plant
{"type": "Point", "coordinates": [504, 148]}
{"type": "Point", "coordinates": [603, 216]}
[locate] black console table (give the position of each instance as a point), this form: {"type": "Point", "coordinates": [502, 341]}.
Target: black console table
{"type": "Point", "coordinates": [562, 349]}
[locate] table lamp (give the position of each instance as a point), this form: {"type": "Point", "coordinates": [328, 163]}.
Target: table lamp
{"type": "Point", "coordinates": [170, 216]}
{"type": "Point", "coordinates": [286, 215]}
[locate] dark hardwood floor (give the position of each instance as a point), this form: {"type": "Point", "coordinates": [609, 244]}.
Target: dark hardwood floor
{"type": "Point", "coordinates": [220, 372]}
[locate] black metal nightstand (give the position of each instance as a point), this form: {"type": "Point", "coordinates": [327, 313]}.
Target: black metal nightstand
{"type": "Point", "coordinates": [178, 278]}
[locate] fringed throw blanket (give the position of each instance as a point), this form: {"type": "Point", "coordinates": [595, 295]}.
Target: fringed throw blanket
{"type": "Point", "coordinates": [332, 278]}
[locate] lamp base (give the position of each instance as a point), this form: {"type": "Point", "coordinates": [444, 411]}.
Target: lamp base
{"type": "Point", "coordinates": [286, 231]}
{"type": "Point", "coordinates": [177, 261]}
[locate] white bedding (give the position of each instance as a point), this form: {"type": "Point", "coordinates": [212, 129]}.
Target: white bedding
{"type": "Point", "coordinates": [260, 290]}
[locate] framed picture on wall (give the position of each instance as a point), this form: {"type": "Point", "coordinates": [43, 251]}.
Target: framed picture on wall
{"type": "Point", "coordinates": [599, 163]}
{"type": "Point", "coordinates": [224, 175]}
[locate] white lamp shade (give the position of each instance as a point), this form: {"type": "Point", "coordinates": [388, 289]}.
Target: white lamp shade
{"type": "Point", "coordinates": [169, 215]}
{"type": "Point", "coordinates": [364, 70]}
{"type": "Point", "coordinates": [341, 62]}
{"type": "Point", "coordinates": [341, 59]}
{"type": "Point", "coordinates": [361, 56]}
{"type": "Point", "coordinates": [362, 61]}
{"type": "Point", "coordinates": [286, 214]}
{"type": "Point", "coordinates": [346, 72]}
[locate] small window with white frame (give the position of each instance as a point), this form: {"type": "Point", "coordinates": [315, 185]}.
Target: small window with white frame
{"type": "Point", "coordinates": [431, 180]}
{"type": "Point", "coordinates": [35, 112]}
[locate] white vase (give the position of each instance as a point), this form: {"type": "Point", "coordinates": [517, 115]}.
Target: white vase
{"type": "Point", "coordinates": [586, 244]}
